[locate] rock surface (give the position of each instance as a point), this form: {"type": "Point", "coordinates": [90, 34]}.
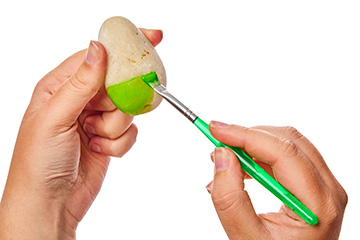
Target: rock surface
{"type": "Point", "coordinates": [130, 55]}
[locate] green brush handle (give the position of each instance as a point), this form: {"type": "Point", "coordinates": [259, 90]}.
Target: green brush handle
{"type": "Point", "coordinates": [258, 173]}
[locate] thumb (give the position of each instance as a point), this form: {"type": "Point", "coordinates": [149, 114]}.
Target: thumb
{"type": "Point", "coordinates": [231, 201]}
{"type": "Point", "coordinates": [73, 95]}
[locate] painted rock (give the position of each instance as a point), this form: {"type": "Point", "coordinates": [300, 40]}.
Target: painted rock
{"type": "Point", "coordinates": [130, 55]}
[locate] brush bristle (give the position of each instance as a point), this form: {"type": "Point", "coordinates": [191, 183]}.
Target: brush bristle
{"type": "Point", "coordinates": [151, 79]}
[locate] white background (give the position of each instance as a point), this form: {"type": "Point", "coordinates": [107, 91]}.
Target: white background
{"type": "Point", "coordinates": [245, 62]}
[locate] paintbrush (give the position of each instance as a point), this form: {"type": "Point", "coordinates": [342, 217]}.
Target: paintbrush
{"type": "Point", "coordinates": [247, 164]}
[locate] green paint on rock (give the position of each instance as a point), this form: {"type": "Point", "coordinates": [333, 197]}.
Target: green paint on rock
{"type": "Point", "coordinates": [132, 97]}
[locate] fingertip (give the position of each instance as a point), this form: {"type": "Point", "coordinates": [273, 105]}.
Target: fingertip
{"type": "Point", "coordinates": [110, 125]}
{"type": "Point", "coordinates": [114, 147]}
{"type": "Point", "coordinates": [234, 165]}
{"type": "Point", "coordinates": [96, 54]}
{"type": "Point", "coordinates": [98, 45]}
{"type": "Point", "coordinates": [212, 156]}
{"type": "Point", "coordinates": [227, 170]}
{"type": "Point", "coordinates": [217, 124]}
{"type": "Point", "coordinates": [209, 187]}
{"type": "Point", "coordinates": [217, 128]}
{"type": "Point", "coordinates": [92, 53]}
{"type": "Point", "coordinates": [221, 160]}
{"type": "Point", "coordinates": [95, 147]}
{"type": "Point", "coordinates": [134, 130]}
{"type": "Point", "coordinates": [229, 134]}
{"type": "Point", "coordinates": [154, 35]}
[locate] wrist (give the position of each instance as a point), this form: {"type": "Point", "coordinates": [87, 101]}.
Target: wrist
{"type": "Point", "coordinates": [33, 218]}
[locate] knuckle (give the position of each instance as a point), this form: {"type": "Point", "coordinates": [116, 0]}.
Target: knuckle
{"type": "Point", "coordinates": [292, 133]}
{"type": "Point", "coordinates": [248, 132]}
{"type": "Point", "coordinates": [79, 83]}
{"type": "Point", "coordinates": [334, 208]}
{"type": "Point", "coordinates": [343, 197]}
{"type": "Point", "coordinates": [334, 213]}
{"type": "Point", "coordinates": [289, 148]}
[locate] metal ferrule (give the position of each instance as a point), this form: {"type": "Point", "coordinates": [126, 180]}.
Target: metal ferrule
{"type": "Point", "coordinates": [161, 90]}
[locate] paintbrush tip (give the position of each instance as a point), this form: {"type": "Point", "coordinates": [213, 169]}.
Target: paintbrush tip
{"type": "Point", "coordinates": [151, 79]}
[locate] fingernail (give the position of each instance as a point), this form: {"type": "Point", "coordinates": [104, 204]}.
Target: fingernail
{"type": "Point", "coordinates": [212, 156]}
{"type": "Point", "coordinates": [217, 124]}
{"type": "Point", "coordinates": [162, 33]}
{"type": "Point", "coordinates": [95, 148]}
{"type": "Point", "coordinates": [89, 129]}
{"type": "Point", "coordinates": [221, 159]}
{"type": "Point", "coordinates": [92, 53]}
{"type": "Point", "coordinates": [209, 187]}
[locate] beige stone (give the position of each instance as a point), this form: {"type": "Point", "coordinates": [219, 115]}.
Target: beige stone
{"type": "Point", "coordinates": [130, 54]}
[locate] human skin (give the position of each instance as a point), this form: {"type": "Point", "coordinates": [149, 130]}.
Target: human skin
{"type": "Point", "coordinates": [296, 164]}
{"type": "Point", "coordinates": [68, 133]}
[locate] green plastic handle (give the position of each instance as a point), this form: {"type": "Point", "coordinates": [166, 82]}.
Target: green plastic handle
{"type": "Point", "coordinates": [259, 174]}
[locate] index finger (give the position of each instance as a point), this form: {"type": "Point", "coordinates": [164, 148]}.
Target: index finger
{"type": "Point", "coordinates": [306, 147]}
